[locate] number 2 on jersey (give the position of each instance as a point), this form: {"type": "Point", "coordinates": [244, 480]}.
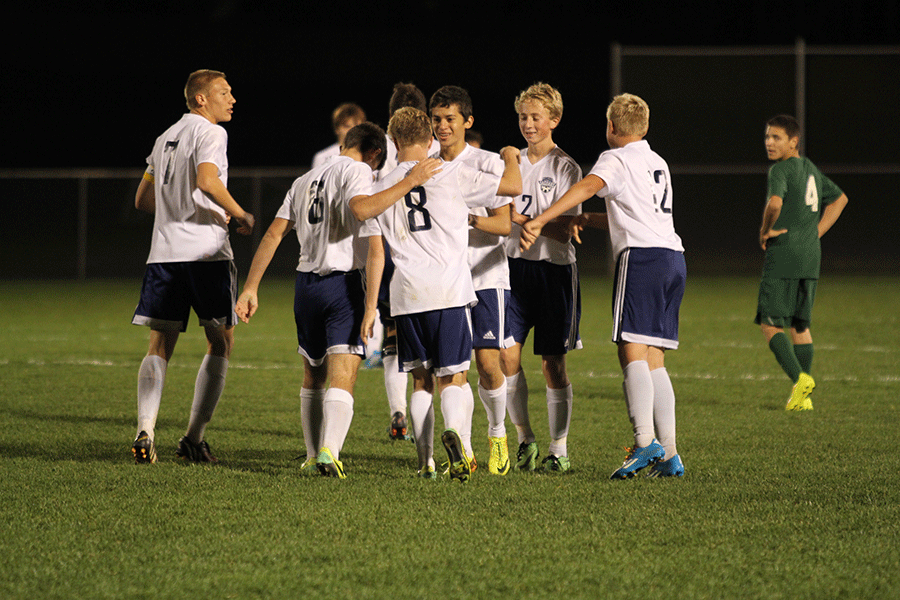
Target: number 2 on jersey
{"type": "Point", "coordinates": [665, 182]}
{"type": "Point", "coordinates": [417, 210]}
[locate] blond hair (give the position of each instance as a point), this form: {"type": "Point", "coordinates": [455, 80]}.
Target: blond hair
{"type": "Point", "coordinates": [544, 94]}
{"type": "Point", "coordinates": [409, 126]}
{"type": "Point", "coordinates": [198, 83]}
{"type": "Point", "coordinates": [629, 115]}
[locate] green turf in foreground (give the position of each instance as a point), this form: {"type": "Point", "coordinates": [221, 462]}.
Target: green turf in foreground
{"type": "Point", "coordinates": [774, 504]}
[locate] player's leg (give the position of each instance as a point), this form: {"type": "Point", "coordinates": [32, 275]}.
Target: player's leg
{"type": "Point", "coordinates": [559, 411]}
{"type": "Point", "coordinates": [454, 409]}
{"type": "Point", "coordinates": [395, 382]}
{"type": "Point", "coordinates": [421, 417]}
{"type": "Point", "coordinates": [519, 323]}
{"type": "Point", "coordinates": [337, 411]}
{"type": "Point", "coordinates": [312, 398]}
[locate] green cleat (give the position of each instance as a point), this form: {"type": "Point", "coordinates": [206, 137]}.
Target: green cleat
{"type": "Point", "coordinates": [460, 468]}
{"type": "Point", "coordinates": [556, 464]}
{"type": "Point", "coordinates": [526, 456]}
{"type": "Point", "coordinates": [309, 466]}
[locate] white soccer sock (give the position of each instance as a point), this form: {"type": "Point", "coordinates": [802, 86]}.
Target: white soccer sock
{"type": "Point", "coordinates": [517, 406]}
{"type": "Point", "coordinates": [559, 415]}
{"type": "Point", "coordinates": [664, 410]}
{"type": "Point", "coordinates": [421, 419]}
{"type": "Point", "coordinates": [311, 419]}
{"type": "Point", "coordinates": [395, 382]}
{"type": "Point", "coordinates": [453, 407]}
{"type": "Point", "coordinates": [468, 408]}
{"type": "Point", "coordinates": [639, 398]}
{"type": "Point", "coordinates": [376, 338]}
{"type": "Point", "coordinates": [494, 402]}
{"type": "Point", "coordinates": [337, 413]}
{"type": "Point", "coordinates": [151, 378]}
{"type": "Point", "coordinates": [207, 391]}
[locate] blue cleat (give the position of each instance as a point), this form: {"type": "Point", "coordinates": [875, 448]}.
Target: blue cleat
{"type": "Point", "coordinates": [667, 468]}
{"type": "Point", "coordinates": [638, 459]}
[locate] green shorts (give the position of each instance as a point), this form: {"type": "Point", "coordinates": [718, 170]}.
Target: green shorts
{"type": "Point", "coordinates": [786, 303]}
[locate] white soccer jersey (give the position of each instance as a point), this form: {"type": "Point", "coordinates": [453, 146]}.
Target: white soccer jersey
{"type": "Point", "coordinates": [487, 252]}
{"type": "Point", "coordinates": [318, 204]}
{"type": "Point", "coordinates": [427, 233]}
{"type": "Point", "coordinates": [320, 157]}
{"type": "Point", "coordinates": [543, 183]}
{"type": "Point", "coordinates": [638, 196]}
{"type": "Point", "coordinates": [188, 226]}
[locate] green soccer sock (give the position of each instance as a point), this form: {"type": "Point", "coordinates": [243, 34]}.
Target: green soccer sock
{"type": "Point", "coordinates": [783, 350]}
{"type": "Point", "coordinates": [804, 354]}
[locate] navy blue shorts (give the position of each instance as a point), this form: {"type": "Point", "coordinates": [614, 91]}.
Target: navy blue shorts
{"type": "Point", "coordinates": [171, 290]}
{"type": "Point", "coordinates": [440, 340]}
{"type": "Point", "coordinates": [647, 293]}
{"type": "Point", "coordinates": [384, 291]}
{"type": "Point", "coordinates": [328, 311]}
{"type": "Point", "coordinates": [547, 298]}
{"type": "Point", "coordinates": [489, 319]}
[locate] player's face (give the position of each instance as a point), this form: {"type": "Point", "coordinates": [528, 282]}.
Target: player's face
{"type": "Point", "coordinates": [219, 102]}
{"type": "Point", "coordinates": [449, 125]}
{"type": "Point", "coordinates": [778, 145]}
{"type": "Point", "coordinates": [535, 122]}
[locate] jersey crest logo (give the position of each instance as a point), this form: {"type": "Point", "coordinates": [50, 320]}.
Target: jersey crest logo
{"type": "Point", "coordinates": [547, 184]}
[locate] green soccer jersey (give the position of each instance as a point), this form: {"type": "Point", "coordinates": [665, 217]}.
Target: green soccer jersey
{"type": "Point", "coordinates": [806, 192]}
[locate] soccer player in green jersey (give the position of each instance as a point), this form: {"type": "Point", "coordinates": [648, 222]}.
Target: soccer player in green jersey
{"type": "Point", "coordinates": [802, 205]}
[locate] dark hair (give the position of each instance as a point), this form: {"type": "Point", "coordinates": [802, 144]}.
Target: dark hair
{"type": "Point", "coordinates": [366, 137]}
{"type": "Point", "coordinates": [345, 112]}
{"type": "Point", "coordinates": [448, 96]}
{"type": "Point", "coordinates": [788, 123]}
{"type": "Point", "coordinates": [406, 94]}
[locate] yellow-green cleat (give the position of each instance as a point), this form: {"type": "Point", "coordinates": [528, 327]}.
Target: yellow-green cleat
{"type": "Point", "coordinates": [328, 465]}
{"type": "Point", "coordinates": [498, 463]}
{"type": "Point", "coordinates": [799, 399]}
{"type": "Point", "coordinates": [460, 468]}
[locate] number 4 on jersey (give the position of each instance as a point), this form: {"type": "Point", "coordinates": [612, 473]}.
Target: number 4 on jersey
{"type": "Point", "coordinates": [812, 194]}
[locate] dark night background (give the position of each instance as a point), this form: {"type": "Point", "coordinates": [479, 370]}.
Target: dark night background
{"type": "Point", "coordinates": [92, 87]}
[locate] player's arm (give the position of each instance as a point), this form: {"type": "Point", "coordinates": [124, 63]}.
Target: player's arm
{"type": "Point", "coordinates": [498, 222]}
{"type": "Point", "coordinates": [374, 272]}
{"type": "Point", "coordinates": [770, 216]}
{"type": "Point", "coordinates": [511, 182]}
{"type": "Point", "coordinates": [145, 198]}
{"type": "Point", "coordinates": [248, 301]}
{"type": "Point", "coordinates": [366, 207]}
{"type": "Point", "coordinates": [831, 213]}
{"type": "Point", "coordinates": [591, 219]}
{"type": "Point", "coordinates": [578, 193]}
{"type": "Point", "coordinates": [209, 183]}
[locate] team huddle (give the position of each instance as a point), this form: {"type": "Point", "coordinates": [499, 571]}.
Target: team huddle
{"type": "Point", "coordinates": [453, 252]}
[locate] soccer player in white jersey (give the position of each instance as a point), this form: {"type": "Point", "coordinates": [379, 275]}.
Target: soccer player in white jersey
{"type": "Point", "coordinates": [431, 289]}
{"type": "Point", "coordinates": [395, 379]}
{"type": "Point", "coordinates": [451, 117]}
{"type": "Point", "coordinates": [650, 276]}
{"type": "Point", "coordinates": [190, 263]}
{"type": "Point", "coordinates": [343, 118]}
{"type": "Point", "coordinates": [546, 296]}
{"type": "Point", "coordinates": [329, 297]}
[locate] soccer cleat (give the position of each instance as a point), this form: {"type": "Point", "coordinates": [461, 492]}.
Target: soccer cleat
{"type": "Point", "coordinates": [309, 466]}
{"type": "Point", "coordinates": [667, 468]}
{"type": "Point", "coordinates": [555, 464]}
{"type": "Point", "coordinates": [143, 449]}
{"type": "Point", "coordinates": [195, 453]}
{"type": "Point", "coordinates": [639, 458]}
{"type": "Point", "coordinates": [498, 463]}
{"type": "Point", "coordinates": [526, 456]}
{"type": "Point", "coordinates": [799, 399]}
{"type": "Point", "coordinates": [329, 466]}
{"type": "Point", "coordinates": [398, 430]}
{"type": "Point", "coordinates": [427, 473]}
{"type": "Point", "coordinates": [460, 467]}
{"type": "Point", "coordinates": [473, 464]}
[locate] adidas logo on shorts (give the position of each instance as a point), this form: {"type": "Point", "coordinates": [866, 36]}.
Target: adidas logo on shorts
{"type": "Point", "coordinates": [489, 336]}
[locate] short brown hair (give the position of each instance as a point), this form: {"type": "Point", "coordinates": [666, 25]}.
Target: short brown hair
{"type": "Point", "coordinates": [629, 114]}
{"type": "Point", "coordinates": [410, 126]}
{"type": "Point", "coordinates": [406, 94]}
{"type": "Point", "coordinates": [790, 125]}
{"type": "Point", "coordinates": [345, 112]}
{"type": "Point", "coordinates": [198, 83]}
{"type": "Point", "coordinates": [366, 137]}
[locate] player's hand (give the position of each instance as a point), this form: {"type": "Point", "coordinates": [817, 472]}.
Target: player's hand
{"type": "Point", "coordinates": [576, 226]}
{"type": "Point", "coordinates": [368, 326]}
{"type": "Point", "coordinates": [424, 170]}
{"type": "Point", "coordinates": [246, 306]}
{"type": "Point", "coordinates": [245, 224]}
{"type": "Point", "coordinates": [510, 152]}
{"type": "Point", "coordinates": [766, 236]}
{"type": "Point", "coordinates": [530, 232]}
{"type": "Point", "coordinates": [515, 216]}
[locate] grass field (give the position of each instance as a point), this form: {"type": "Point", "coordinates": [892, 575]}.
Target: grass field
{"type": "Point", "coordinates": [773, 505]}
